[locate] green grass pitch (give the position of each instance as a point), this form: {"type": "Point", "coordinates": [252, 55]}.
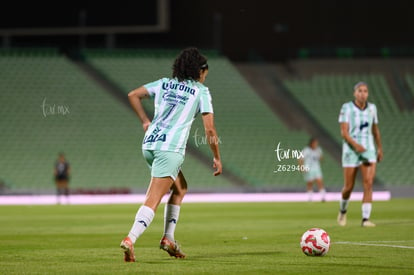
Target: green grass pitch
{"type": "Point", "coordinates": [225, 238]}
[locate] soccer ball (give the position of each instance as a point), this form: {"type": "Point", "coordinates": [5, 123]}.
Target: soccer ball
{"type": "Point", "coordinates": [315, 242]}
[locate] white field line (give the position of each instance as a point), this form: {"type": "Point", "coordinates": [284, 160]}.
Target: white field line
{"type": "Point", "coordinates": [402, 241]}
{"type": "Point", "coordinates": [376, 244]}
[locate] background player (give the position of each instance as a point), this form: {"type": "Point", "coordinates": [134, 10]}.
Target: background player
{"type": "Point", "coordinates": [177, 101]}
{"type": "Point", "coordinates": [359, 130]}
{"type": "Point", "coordinates": [62, 174]}
{"type": "Point", "coordinates": [312, 155]}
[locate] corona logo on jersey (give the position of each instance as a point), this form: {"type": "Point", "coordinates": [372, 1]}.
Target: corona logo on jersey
{"type": "Point", "coordinates": [178, 86]}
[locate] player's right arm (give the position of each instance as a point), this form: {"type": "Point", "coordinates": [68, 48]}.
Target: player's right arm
{"type": "Point", "coordinates": [69, 170]}
{"type": "Point", "coordinates": [213, 141]}
{"type": "Point", "coordinates": [135, 97]}
{"type": "Point", "coordinates": [345, 135]}
{"type": "Point", "coordinates": [301, 160]}
{"type": "Point", "coordinates": [377, 138]}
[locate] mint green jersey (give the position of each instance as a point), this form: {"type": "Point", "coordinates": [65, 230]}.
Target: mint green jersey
{"type": "Point", "coordinates": [311, 163]}
{"type": "Point", "coordinates": [360, 124]}
{"type": "Point", "coordinates": [312, 157]}
{"type": "Point", "coordinates": [176, 106]}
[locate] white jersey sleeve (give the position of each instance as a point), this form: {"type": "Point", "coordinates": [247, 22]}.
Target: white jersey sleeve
{"type": "Point", "coordinates": [375, 115]}
{"type": "Point", "coordinates": [206, 105]}
{"type": "Point", "coordinates": [154, 87]}
{"type": "Point", "coordinates": [344, 113]}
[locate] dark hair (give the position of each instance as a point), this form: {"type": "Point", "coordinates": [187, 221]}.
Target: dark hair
{"type": "Point", "coordinates": [311, 140]}
{"type": "Point", "coordinates": [188, 64]}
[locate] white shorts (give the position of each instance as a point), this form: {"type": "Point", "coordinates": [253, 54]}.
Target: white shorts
{"type": "Point", "coordinates": [313, 174]}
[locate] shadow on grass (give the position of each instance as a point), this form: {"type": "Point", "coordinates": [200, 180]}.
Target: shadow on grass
{"type": "Point", "coordinates": [395, 222]}
{"type": "Point", "coordinates": [236, 254]}
{"type": "Point", "coordinates": [208, 257]}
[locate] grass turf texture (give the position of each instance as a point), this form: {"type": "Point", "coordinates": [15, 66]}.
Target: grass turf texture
{"type": "Point", "coordinates": [228, 238]}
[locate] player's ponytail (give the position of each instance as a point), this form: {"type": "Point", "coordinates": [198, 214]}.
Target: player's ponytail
{"type": "Point", "coordinates": [188, 64]}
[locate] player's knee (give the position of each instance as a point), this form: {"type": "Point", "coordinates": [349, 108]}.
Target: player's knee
{"type": "Point", "coordinates": [180, 187]}
{"type": "Point", "coordinates": [368, 183]}
{"type": "Point", "coordinates": [180, 191]}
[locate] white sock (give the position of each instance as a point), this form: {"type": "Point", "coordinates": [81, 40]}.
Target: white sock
{"type": "Point", "coordinates": [171, 213]}
{"type": "Point", "coordinates": [323, 193]}
{"type": "Point", "coordinates": [143, 219]}
{"type": "Point", "coordinates": [343, 205]}
{"type": "Point", "coordinates": [366, 210]}
{"type": "Point", "coordinates": [310, 193]}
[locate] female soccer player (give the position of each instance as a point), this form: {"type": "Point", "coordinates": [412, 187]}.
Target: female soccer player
{"type": "Point", "coordinates": [312, 155]}
{"type": "Point", "coordinates": [62, 175]}
{"type": "Point", "coordinates": [359, 130]}
{"type": "Point", "coordinates": [177, 101]}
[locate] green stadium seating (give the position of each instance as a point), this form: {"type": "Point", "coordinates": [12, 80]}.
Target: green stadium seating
{"type": "Point", "coordinates": [409, 78]}
{"type": "Point", "coordinates": [100, 136]}
{"type": "Point", "coordinates": [249, 130]}
{"type": "Point", "coordinates": [323, 95]}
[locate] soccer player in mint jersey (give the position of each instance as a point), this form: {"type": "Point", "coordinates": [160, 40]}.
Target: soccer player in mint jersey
{"type": "Point", "coordinates": [177, 102]}
{"type": "Point", "coordinates": [312, 155]}
{"type": "Point", "coordinates": [361, 149]}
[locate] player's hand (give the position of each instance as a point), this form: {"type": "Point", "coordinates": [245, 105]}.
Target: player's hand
{"type": "Point", "coordinates": [145, 125]}
{"type": "Point", "coordinates": [359, 148]}
{"type": "Point", "coordinates": [379, 155]}
{"type": "Point", "coordinates": [217, 165]}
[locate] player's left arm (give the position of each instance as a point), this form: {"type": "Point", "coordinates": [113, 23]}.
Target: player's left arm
{"type": "Point", "coordinates": [377, 139]}
{"type": "Point", "coordinates": [135, 97]}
